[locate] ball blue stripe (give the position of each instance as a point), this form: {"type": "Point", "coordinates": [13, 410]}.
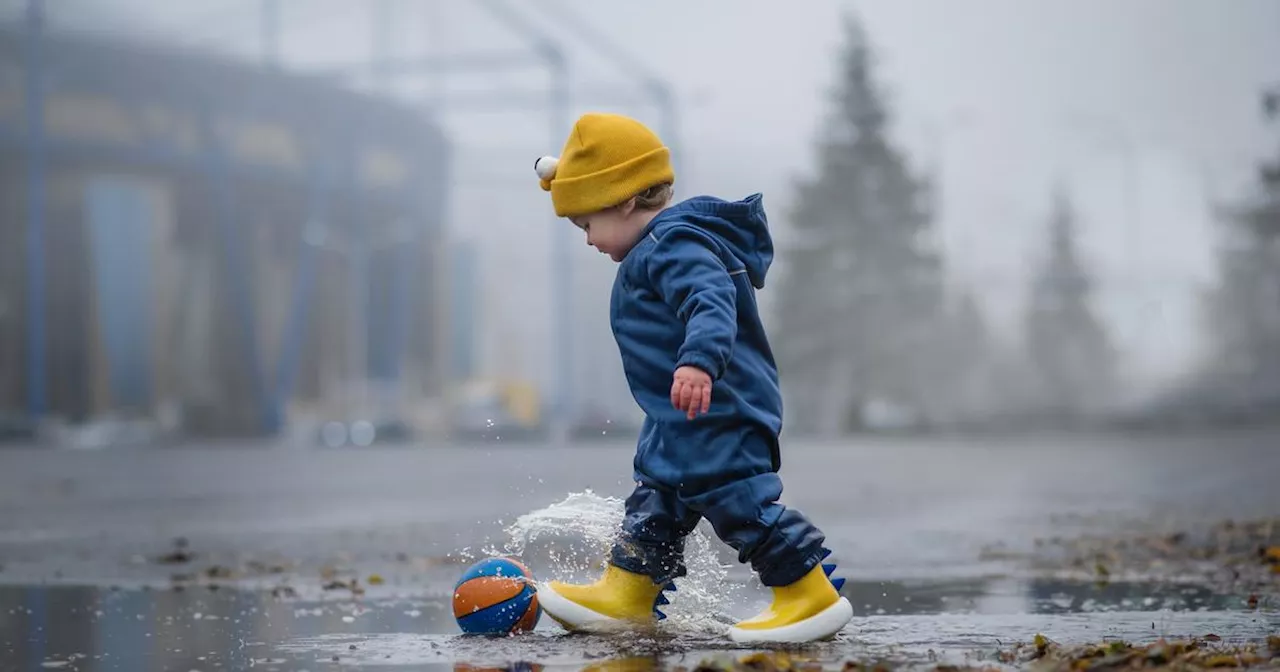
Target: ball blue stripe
{"type": "Point", "coordinates": [490, 567]}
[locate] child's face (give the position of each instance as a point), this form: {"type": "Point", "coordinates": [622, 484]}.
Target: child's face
{"type": "Point", "coordinates": [613, 231]}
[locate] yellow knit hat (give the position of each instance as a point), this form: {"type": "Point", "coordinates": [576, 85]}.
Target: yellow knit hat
{"type": "Point", "coordinates": [607, 159]}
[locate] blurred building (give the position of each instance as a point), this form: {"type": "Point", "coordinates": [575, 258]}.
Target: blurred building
{"type": "Point", "coordinates": [210, 233]}
{"type": "Point", "coordinates": [464, 282]}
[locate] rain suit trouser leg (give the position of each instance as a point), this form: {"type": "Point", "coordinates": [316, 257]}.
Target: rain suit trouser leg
{"type": "Point", "coordinates": [734, 484]}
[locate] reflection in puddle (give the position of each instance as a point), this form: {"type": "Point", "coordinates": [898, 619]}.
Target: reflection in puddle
{"type": "Point", "coordinates": [85, 628]}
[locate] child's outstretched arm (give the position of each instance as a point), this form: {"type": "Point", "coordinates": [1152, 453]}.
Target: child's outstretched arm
{"type": "Point", "coordinates": [693, 280]}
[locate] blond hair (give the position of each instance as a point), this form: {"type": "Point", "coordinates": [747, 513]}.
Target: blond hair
{"type": "Point", "coordinates": [654, 198]}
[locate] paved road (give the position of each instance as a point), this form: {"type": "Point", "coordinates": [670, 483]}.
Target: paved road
{"type": "Point", "coordinates": [900, 507]}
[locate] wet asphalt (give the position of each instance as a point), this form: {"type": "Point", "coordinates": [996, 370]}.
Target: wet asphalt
{"type": "Point", "coordinates": [232, 556]}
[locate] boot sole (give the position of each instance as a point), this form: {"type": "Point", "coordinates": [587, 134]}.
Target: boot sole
{"type": "Point", "coordinates": [575, 617]}
{"type": "Point", "coordinates": [822, 625]}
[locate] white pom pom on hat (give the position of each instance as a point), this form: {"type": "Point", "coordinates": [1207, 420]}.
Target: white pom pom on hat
{"type": "Point", "coordinates": [545, 167]}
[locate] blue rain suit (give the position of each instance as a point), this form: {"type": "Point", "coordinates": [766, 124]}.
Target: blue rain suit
{"type": "Point", "coordinates": [685, 295]}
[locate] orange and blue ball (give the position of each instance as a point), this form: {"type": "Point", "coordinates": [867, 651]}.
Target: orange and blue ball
{"type": "Point", "coordinates": [496, 596]}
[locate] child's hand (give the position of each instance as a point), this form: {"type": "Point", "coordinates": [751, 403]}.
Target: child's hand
{"type": "Point", "coordinates": [691, 390]}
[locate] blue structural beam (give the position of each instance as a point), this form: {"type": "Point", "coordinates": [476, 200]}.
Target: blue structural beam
{"type": "Point", "coordinates": [37, 384]}
{"type": "Point", "coordinates": [358, 319]}
{"type": "Point", "coordinates": [313, 232]}
{"type": "Point", "coordinates": [238, 271]}
{"type": "Point", "coordinates": [119, 226]}
{"type": "Point", "coordinates": [405, 253]}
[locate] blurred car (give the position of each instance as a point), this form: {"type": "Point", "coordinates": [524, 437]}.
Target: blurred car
{"type": "Point", "coordinates": [495, 410]}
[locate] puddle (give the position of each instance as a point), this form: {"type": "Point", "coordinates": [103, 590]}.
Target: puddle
{"type": "Point", "coordinates": [89, 628]}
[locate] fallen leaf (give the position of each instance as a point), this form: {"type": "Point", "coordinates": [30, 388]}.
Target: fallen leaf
{"type": "Point", "coordinates": [1250, 659]}
{"type": "Point", "coordinates": [774, 662]}
{"type": "Point", "coordinates": [177, 557]}
{"type": "Point", "coordinates": [219, 572]}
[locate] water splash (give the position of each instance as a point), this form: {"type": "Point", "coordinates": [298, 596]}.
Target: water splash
{"type": "Point", "coordinates": [570, 540]}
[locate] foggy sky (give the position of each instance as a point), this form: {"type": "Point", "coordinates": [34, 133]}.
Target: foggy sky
{"type": "Point", "coordinates": [1007, 97]}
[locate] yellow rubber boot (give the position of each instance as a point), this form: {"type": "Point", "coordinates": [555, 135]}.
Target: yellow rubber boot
{"type": "Point", "coordinates": [617, 598]}
{"type": "Point", "coordinates": [808, 610]}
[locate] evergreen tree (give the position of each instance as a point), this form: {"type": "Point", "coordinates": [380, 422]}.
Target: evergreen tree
{"type": "Point", "coordinates": [1069, 351]}
{"type": "Point", "coordinates": [1244, 309]}
{"type": "Point", "coordinates": [860, 289]}
{"type": "Point", "coordinates": [967, 386]}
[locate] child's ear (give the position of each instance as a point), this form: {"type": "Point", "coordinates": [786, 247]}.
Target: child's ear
{"type": "Point", "coordinates": [627, 207]}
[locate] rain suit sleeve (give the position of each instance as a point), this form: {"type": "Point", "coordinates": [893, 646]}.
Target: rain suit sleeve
{"type": "Point", "coordinates": [692, 279]}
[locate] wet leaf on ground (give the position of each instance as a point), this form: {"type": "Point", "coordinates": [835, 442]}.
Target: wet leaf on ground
{"type": "Point", "coordinates": [1204, 652]}
{"type": "Point", "coordinates": [219, 572]}
{"type": "Point", "coordinates": [178, 555]}
{"type": "Point", "coordinates": [1239, 556]}
{"type": "Point", "coordinates": [175, 557]}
